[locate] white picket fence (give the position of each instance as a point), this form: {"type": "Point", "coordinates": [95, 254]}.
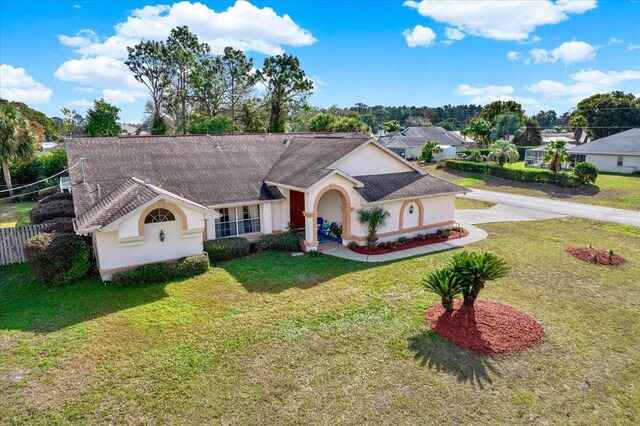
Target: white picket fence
{"type": "Point", "coordinates": [12, 242]}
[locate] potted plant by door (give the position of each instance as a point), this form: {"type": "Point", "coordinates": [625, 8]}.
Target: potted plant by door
{"type": "Point", "coordinates": [337, 231]}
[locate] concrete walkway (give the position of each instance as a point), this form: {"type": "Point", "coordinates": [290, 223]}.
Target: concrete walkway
{"type": "Point", "coordinates": [502, 213]}
{"type": "Point", "coordinates": [475, 234]}
{"type": "Point", "coordinates": [606, 214]}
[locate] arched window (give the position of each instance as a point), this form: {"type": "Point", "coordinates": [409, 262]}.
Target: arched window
{"type": "Point", "coordinates": [159, 215]}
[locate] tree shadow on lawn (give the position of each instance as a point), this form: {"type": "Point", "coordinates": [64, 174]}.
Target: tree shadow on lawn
{"type": "Point", "coordinates": [26, 305]}
{"type": "Point", "coordinates": [552, 190]}
{"type": "Point", "coordinates": [436, 353]}
{"type": "Point", "coordinates": [273, 272]}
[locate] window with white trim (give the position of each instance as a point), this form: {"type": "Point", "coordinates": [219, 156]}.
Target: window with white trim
{"type": "Point", "coordinates": [238, 221]}
{"type": "Point", "coordinates": [159, 215]}
{"type": "Point", "coordinates": [620, 161]}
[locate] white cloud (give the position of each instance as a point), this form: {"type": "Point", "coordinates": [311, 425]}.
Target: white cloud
{"type": "Point", "coordinates": [122, 96]}
{"type": "Point", "coordinates": [614, 40]}
{"type": "Point", "coordinates": [585, 83]}
{"type": "Point", "coordinates": [77, 6]}
{"type": "Point", "coordinates": [513, 56]}
{"type": "Point", "coordinates": [454, 34]}
{"type": "Point", "coordinates": [85, 89]}
{"type": "Point", "coordinates": [108, 74]}
{"type": "Point", "coordinates": [17, 85]}
{"type": "Point", "coordinates": [634, 46]}
{"type": "Point", "coordinates": [486, 94]}
{"type": "Point", "coordinates": [242, 26]}
{"type": "Point", "coordinates": [419, 36]}
{"type": "Point", "coordinates": [568, 52]}
{"type": "Point", "coordinates": [500, 20]}
{"type": "Point", "coordinates": [80, 103]}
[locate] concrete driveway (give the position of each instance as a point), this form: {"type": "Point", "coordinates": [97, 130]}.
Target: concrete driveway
{"type": "Point", "coordinates": [502, 213]}
{"type": "Point", "coordinates": [606, 214]}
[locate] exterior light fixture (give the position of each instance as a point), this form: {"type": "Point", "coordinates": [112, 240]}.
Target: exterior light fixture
{"type": "Point", "coordinates": [411, 209]}
{"type": "Point", "coordinates": [161, 235]}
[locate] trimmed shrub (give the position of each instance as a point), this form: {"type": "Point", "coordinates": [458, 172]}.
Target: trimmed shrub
{"type": "Point", "coordinates": [51, 210]}
{"type": "Point", "coordinates": [44, 193]}
{"type": "Point", "coordinates": [58, 258]}
{"type": "Point", "coordinates": [586, 172]}
{"type": "Point", "coordinates": [524, 175]}
{"type": "Point", "coordinates": [159, 272]}
{"type": "Point", "coordinates": [279, 242]}
{"type": "Point", "coordinates": [60, 224]}
{"type": "Point", "coordinates": [475, 157]}
{"type": "Point", "coordinates": [226, 248]}
{"type": "Point", "coordinates": [486, 151]}
{"type": "Point", "coordinates": [55, 196]}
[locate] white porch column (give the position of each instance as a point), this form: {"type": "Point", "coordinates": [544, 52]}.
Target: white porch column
{"type": "Point", "coordinates": [267, 221]}
{"type": "Point", "coordinates": [310, 231]}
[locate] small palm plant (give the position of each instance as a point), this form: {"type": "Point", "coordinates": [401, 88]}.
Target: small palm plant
{"type": "Point", "coordinates": [475, 269]}
{"type": "Point", "coordinates": [556, 155]}
{"type": "Point", "coordinates": [374, 219]}
{"type": "Point", "coordinates": [428, 150]}
{"type": "Point", "coordinates": [503, 152]}
{"type": "Point", "coordinates": [447, 284]}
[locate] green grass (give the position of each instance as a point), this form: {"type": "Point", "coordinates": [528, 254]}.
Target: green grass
{"type": "Point", "coordinates": [275, 339]}
{"type": "Point", "coordinates": [15, 214]}
{"type": "Point", "coordinates": [468, 204]}
{"type": "Point", "coordinates": [610, 189]}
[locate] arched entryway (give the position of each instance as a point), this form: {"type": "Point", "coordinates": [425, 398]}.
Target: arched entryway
{"type": "Point", "coordinates": [332, 204]}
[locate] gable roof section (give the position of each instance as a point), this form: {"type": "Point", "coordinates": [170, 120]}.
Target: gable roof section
{"type": "Point", "coordinates": [398, 186]}
{"type": "Point", "coordinates": [127, 197]}
{"type": "Point", "coordinates": [306, 160]}
{"type": "Point", "coordinates": [417, 136]}
{"type": "Point", "coordinates": [210, 170]}
{"type": "Point", "coordinates": [627, 142]}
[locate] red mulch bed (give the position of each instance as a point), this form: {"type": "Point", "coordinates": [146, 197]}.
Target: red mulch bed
{"type": "Point", "coordinates": [602, 256]}
{"type": "Point", "coordinates": [489, 328]}
{"type": "Point", "coordinates": [430, 239]}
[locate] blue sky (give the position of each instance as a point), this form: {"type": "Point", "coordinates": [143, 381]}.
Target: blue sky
{"type": "Point", "coordinates": [542, 53]}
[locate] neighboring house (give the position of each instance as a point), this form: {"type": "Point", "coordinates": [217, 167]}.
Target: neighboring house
{"type": "Point", "coordinates": [46, 146]}
{"type": "Point", "coordinates": [409, 143]}
{"type": "Point", "coordinates": [131, 130]}
{"type": "Point", "coordinates": [157, 198]}
{"type": "Point", "coordinates": [619, 153]}
{"type": "Point", "coordinates": [535, 156]}
{"type": "Point", "coordinates": [568, 137]}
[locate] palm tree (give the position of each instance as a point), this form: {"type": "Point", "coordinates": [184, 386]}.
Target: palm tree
{"type": "Point", "coordinates": [579, 123]}
{"type": "Point", "coordinates": [503, 152]}
{"type": "Point", "coordinates": [478, 129]}
{"type": "Point", "coordinates": [475, 269]}
{"type": "Point", "coordinates": [17, 141]}
{"type": "Point", "coordinates": [374, 218]}
{"type": "Point", "coordinates": [556, 155]}
{"type": "Point", "coordinates": [446, 284]}
{"type": "Point", "coordinates": [428, 150]}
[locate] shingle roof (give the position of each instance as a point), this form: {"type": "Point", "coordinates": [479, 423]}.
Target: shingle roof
{"type": "Point", "coordinates": [417, 136]}
{"type": "Point", "coordinates": [627, 142]}
{"type": "Point", "coordinates": [209, 170]}
{"type": "Point", "coordinates": [306, 159]}
{"type": "Point", "coordinates": [397, 186]}
{"type": "Point", "coordinates": [128, 196]}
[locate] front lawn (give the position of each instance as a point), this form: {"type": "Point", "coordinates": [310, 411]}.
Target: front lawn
{"type": "Point", "coordinates": [610, 189]}
{"type": "Point", "coordinates": [275, 339]}
{"type": "Point", "coordinates": [15, 214]}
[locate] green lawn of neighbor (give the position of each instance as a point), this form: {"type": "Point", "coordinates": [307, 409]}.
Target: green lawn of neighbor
{"type": "Point", "coordinates": [468, 204]}
{"type": "Point", "coordinates": [274, 339]}
{"type": "Point", "coordinates": [610, 190]}
{"type": "Point", "coordinates": [15, 214]}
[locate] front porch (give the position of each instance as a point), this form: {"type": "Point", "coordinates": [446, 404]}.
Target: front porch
{"type": "Point", "coordinates": [330, 206]}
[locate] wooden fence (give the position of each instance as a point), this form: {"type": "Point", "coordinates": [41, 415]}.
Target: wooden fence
{"type": "Point", "coordinates": [12, 242]}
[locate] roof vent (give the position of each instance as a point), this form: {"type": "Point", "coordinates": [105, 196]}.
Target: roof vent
{"type": "Point", "coordinates": [147, 182]}
{"type": "Point", "coordinates": [285, 141]}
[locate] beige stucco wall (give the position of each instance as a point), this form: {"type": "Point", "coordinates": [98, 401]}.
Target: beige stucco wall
{"type": "Point", "coordinates": [609, 163]}
{"type": "Point", "coordinates": [372, 160]}
{"type": "Point", "coordinates": [330, 206]}
{"type": "Point", "coordinates": [125, 248]}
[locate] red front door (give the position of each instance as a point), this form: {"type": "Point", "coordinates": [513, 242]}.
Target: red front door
{"type": "Point", "coordinates": [296, 209]}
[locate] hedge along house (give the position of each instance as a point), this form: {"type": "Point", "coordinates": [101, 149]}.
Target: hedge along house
{"type": "Point", "coordinates": [148, 199]}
